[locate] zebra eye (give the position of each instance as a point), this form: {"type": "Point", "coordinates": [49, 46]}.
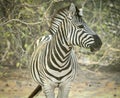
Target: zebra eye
{"type": "Point", "coordinates": [81, 26]}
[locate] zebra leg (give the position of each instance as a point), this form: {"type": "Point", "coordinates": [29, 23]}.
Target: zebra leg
{"type": "Point", "coordinates": [64, 90]}
{"type": "Point", "coordinates": [49, 90]}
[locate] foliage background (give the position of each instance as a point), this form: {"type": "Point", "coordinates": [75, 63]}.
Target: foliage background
{"type": "Point", "coordinates": [23, 21]}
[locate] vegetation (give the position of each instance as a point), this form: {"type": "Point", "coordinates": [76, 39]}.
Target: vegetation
{"type": "Point", "coordinates": [23, 21]}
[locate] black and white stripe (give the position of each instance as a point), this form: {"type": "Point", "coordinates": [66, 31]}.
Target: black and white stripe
{"type": "Point", "coordinates": [53, 61]}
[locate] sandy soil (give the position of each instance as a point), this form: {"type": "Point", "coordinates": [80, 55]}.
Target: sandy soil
{"type": "Point", "coordinates": [16, 83]}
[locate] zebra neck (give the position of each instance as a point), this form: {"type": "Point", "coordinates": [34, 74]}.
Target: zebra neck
{"type": "Point", "coordinates": [59, 48]}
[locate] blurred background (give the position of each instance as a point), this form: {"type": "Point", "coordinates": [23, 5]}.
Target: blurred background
{"type": "Point", "coordinates": [23, 21]}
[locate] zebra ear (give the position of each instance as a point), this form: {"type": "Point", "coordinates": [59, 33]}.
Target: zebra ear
{"type": "Point", "coordinates": [81, 12]}
{"type": "Point", "coordinates": [72, 10]}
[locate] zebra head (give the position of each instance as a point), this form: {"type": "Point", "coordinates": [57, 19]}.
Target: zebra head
{"type": "Point", "coordinates": [81, 34]}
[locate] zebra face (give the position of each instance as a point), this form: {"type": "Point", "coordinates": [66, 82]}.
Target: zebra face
{"type": "Point", "coordinates": [81, 34]}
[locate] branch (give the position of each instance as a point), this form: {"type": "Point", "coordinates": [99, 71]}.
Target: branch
{"type": "Point", "coordinates": [6, 52]}
{"type": "Point", "coordinates": [18, 20]}
{"type": "Point", "coordinates": [115, 49]}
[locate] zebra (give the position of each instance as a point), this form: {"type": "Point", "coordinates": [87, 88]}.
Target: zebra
{"type": "Point", "coordinates": [53, 62]}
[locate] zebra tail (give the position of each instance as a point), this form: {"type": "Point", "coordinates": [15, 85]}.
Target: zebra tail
{"type": "Point", "coordinates": [37, 89]}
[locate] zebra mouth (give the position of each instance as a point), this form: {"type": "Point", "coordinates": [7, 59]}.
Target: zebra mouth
{"type": "Point", "coordinates": [92, 49]}
{"type": "Point", "coordinates": [97, 45]}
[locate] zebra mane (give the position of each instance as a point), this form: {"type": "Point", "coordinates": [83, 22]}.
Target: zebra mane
{"type": "Point", "coordinates": [56, 15]}
{"type": "Point", "coordinates": [65, 9]}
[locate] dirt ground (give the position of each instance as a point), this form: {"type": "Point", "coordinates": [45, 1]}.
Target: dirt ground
{"type": "Point", "coordinates": [17, 83]}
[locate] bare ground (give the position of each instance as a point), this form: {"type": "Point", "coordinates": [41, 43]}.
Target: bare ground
{"type": "Point", "coordinates": [16, 83]}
